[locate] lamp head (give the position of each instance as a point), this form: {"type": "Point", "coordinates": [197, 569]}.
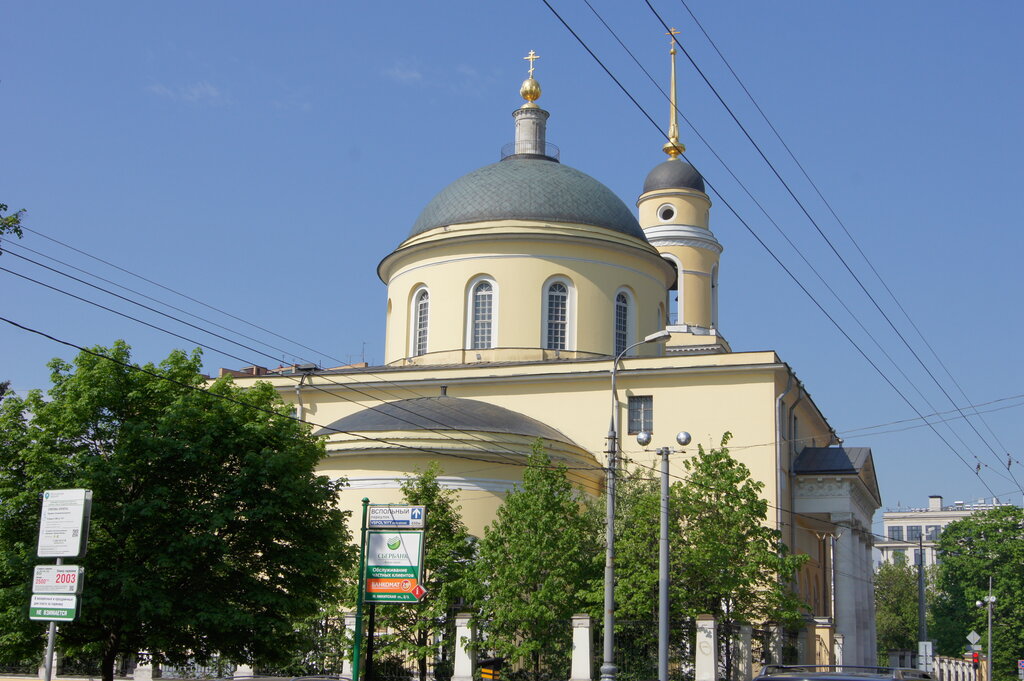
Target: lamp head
{"type": "Point", "coordinates": [643, 438]}
{"type": "Point", "coordinates": [683, 438]}
{"type": "Point", "coordinates": [658, 336]}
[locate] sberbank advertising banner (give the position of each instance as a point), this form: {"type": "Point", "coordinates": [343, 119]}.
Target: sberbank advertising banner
{"type": "Point", "coordinates": [394, 561]}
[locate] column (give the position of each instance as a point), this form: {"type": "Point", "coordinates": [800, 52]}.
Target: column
{"type": "Point", "coordinates": [463, 663]}
{"type": "Point", "coordinates": [706, 662]}
{"type": "Point", "coordinates": [350, 627]}
{"type": "Point", "coordinates": [581, 648]}
{"type": "Point", "coordinates": [863, 575]}
{"type": "Point", "coordinates": [775, 644]}
{"type": "Point", "coordinates": [870, 573]}
{"type": "Point", "coordinates": [846, 595]}
{"type": "Point", "coordinates": [744, 654]}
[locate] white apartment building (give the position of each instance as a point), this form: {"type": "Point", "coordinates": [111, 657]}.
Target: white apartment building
{"type": "Point", "coordinates": [909, 531]}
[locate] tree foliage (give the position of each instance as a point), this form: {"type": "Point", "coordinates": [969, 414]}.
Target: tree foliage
{"type": "Point", "coordinates": [984, 545]}
{"type": "Point", "coordinates": [724, 561]}
{"type": "Point", "coordinates": [534, 563]}
{"type": "Point", "coordinates": [895, 607]}
{"type": "Point", "coordinates": [10, 223]}
{"type": "Point", "coordinates": [731, 564]}
{"type": "Point", "coordinates": [211, 532]}
{"type": "Point", "coordinates": [426, 630]}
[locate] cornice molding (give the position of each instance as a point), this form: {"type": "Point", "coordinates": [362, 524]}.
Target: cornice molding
{"type": "Point", "coordinates": [683, 235]}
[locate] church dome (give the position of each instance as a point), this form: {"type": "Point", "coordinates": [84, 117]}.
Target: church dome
{"type": "Point", "coordinates": [528, 189]}
{"type": "Point", "coordinates": [673, 174]}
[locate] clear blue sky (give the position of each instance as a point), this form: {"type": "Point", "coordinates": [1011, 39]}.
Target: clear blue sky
{"type": "Point", "coordinates": [262, 157]}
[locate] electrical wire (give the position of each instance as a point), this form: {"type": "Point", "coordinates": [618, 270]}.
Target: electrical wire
{"type": "Point", "coordinates": [825, 237]}
{"type": "Point", "coordinates": [768, 249]}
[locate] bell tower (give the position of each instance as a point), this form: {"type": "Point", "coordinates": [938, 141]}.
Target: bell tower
{"type": "Point", "coordinates": [674, 211]}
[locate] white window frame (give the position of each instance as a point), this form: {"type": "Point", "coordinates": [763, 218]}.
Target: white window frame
{"type": "Point", "coordinates": [414, 323]}
{"type": "Point", "coordinates": [645, 407]}
{"type": "Point", "coordinates": [471, 311]}
{"type": "Point", "coordinates": [570, 313]}
{"type": "Point", "coordinates": [631, 319]}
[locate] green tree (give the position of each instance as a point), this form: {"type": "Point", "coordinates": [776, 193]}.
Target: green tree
{"type": "Point", "coordinates": [984, 545]}
{"type": "Point", "coordinates": [731, 564]}
{"type": "Point", "coordinates": [895, 608]}
{"type": "Point", "coordinates": [723, 560]}
{"type": "Point", "coordinates": [426, 630]}
{"type": "Point", "coordinates": [10, 223]}
{"type": "Point", "coordinates": [534, 564]}
{"type": "Point", "coordinates": [211, 532]}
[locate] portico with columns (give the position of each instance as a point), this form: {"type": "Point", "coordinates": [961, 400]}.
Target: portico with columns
{"type": "Point", "coordinates": [836, 495]}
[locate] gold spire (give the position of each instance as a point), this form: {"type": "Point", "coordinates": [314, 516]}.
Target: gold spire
{"type": "Point", "coordinates": [673, 147]}
{"type": "Point", "coordinates": [530, 89]}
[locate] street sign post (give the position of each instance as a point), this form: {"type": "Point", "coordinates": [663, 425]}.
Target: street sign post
{"type": "Point", "coordinates": [394, 566]}
{"type": "Point", "coordinates": [53, 607]}
{"type": "Point", "coordinates": [64, 523]}
{"type": "Point", "coordinates": [397, 516]}
{"type": "Point", "coordinates": [57, 579]}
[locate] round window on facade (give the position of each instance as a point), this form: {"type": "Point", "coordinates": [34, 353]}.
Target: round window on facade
{"type": "Point", "coordinates": [666, 212]}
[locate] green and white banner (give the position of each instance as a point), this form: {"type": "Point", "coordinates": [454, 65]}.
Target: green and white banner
{"type": "Point", "coordinates": [53, 607]}
{"type": "Point", "coordinates": [394, 565]}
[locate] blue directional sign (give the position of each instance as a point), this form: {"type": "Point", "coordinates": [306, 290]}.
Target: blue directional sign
{"type": "Point", "coordinates": [393, 515]}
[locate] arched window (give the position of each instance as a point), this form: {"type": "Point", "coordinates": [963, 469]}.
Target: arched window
{"type": "Point", "coordinates": [421, 318]}
{"type": "Point", "coordinates": [482, 302]}
{"type": "Point", "coordinates": [621, 322]}
{"type": "Point", "coordinates": [556, 316]}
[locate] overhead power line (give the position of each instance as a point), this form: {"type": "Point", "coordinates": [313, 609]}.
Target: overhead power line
{"type": "Point", "coordinates": [768, 249]}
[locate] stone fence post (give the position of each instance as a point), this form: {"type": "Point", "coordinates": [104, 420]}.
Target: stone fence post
{"type": "Point", "coordinates": [464, 637]}
{"type": "Point", "coordinates": [582, 653]}
{"type": "Point", "coordinates": [706, 650]}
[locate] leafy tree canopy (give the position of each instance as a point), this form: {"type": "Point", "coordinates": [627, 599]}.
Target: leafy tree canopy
{"type": "Point", "coordinates": [11, 222]}
{"type": "Point", "coordinates": [423, 630]}
{"type": "Point", "coordinates": [533, 565]}
{"type": "Point", "coordinates": [895, 608]}
{"type": "Point", "coordinates": [210, 531]}
{"type": "Point", "coordinates": [731, 564]}
{"type": "Point", "coordinates": [985, 545]}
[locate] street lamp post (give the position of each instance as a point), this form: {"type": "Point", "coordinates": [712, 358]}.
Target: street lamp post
{"type": "Point", "coordinates": [989, 603]}
{"type": "Point", "coordinates": [608, 668]}
{"type": "Point", "coordinates": [682, 439]}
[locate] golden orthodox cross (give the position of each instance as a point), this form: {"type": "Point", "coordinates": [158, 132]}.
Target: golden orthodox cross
{"type": "Point", "coordinates": [532, 57]}
{"type": "Point", "coordinates": [672, 33]}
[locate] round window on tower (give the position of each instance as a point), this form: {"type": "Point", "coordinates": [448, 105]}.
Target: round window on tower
{"type": "Point", "coordinates": [666, 212]}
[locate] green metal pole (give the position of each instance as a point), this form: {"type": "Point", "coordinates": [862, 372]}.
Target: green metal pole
{"type": "Point", "coordinates": [359, 595]}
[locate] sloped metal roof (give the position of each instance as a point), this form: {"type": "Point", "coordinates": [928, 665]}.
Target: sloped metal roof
{"type": "Point", "coordinates": [444, 413]}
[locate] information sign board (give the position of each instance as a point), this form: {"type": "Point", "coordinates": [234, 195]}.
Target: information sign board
{"type": "Point", "coordinates": [387, 515]}
{"type": "Point", "coordinates": [394, 565]}
{"type": "Point", "coordinates": [53, 607]}
{"type": "Point", "coordinates": [64, 523]}
{"type": "Point", "coordinates": [57, 579]}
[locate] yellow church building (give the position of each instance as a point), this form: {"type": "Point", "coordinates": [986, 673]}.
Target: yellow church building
{"type": "Point", "coordinates": [507, 304]}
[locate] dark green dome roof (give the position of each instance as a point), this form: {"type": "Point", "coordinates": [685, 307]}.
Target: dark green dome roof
{"type": "Point", "coordinates": [528, 189]}
{"type": "Point", "coordinates": [673, 174]}
{"type": "Point", "coordinates": [443, 413]}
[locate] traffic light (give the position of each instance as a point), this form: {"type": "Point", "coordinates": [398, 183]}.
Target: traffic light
{"type": "Point", "coordinates": [974, 658]}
